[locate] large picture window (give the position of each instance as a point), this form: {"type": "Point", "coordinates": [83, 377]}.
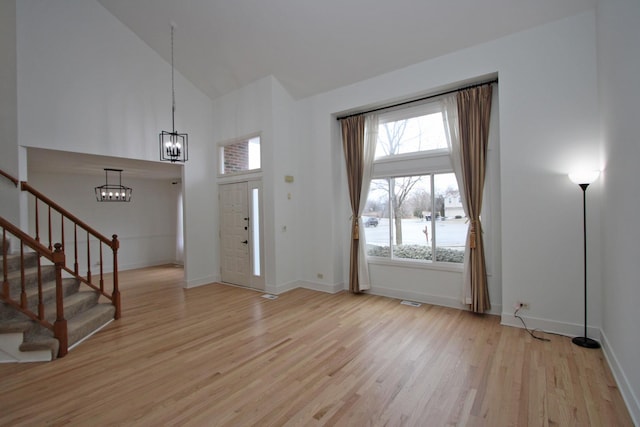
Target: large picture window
{"type": "Point", "coordinates": [414, 207]}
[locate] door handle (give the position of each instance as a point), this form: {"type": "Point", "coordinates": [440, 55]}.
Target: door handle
{"type": "Point", "coordinates": [245, 242]}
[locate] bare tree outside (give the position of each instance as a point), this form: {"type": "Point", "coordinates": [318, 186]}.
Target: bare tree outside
{"type": "Point", "coordinates": [394, 131]}
{"type": "Point", "coordinates": [399, 188]}
{"type": "Point", "coordinates": [420, 202]}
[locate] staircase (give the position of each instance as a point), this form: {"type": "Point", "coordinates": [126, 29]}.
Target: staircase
{"type": "Point", "coordinates": [25, 340]}
{"type": "Point", "coordinates": [47, 305]}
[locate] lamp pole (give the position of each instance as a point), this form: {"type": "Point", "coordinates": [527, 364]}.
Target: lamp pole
{"type": "Point", "coordinates": [583, 180]}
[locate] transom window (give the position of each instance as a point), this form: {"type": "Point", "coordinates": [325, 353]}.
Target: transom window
{"type": "Point", "coordinates": [240, 156]}
{"type": "Point", "coordinates": [414, 207]}
{"type": "Point", "coordinates": [411, 130]}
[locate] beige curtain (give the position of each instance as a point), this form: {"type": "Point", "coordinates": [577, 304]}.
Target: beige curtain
{"type": "Point", "coordinates": [450, 117]}
{"type": "Point", "coordinates": [474, 109]}
{"type": "Point", "coordinates": [353, 145]}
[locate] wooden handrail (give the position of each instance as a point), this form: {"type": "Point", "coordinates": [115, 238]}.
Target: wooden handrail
{"type": "Point", "coordinates": [27, 240]}
{"type": "Point", "coordinates": [26, 187]}
{"type": "Point", "coordinates": [9, 177]}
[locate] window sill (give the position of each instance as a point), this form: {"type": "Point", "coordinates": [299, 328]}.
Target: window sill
{"type": "Point", "coordinates": [442, 266]}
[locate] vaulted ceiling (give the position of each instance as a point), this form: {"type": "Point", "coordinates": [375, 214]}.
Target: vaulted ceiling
{"type": "Point", "coordinates": [315, 46]}
{"type": "Point", "coordinates": [309, 46]}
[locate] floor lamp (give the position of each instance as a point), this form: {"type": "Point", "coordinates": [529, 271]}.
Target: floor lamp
{"type": "Point", "coordinates": [583, 179]}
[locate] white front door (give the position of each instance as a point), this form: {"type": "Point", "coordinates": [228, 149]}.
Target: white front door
{"type": "Point", "coordinates": [240, 232]}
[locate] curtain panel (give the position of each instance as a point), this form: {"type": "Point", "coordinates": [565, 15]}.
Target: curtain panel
{"type": "Point", "coordinates": [359, 139]}
{"type": "Point", "coordinates": [474, 109]}
{"type": "Point", "coordinates": [450, 108]}
{"type": "Point", "coordinates": [353, 145]}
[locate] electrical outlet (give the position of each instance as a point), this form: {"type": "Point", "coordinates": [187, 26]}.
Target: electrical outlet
{"type": "Point", "coordinates": [522, 305]}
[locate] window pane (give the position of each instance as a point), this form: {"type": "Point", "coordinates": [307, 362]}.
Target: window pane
{"type": "Point", "coordinates": [376, 219]}
{"type": "Point", "coordinates": [254, 153]}
{"type": "Point", "coordinates": [411, 206]}
{"type": "Point", "coordinates": [422, 133]}
{"type": "Point", "coordinates": [255, 230]}
{"type": "Point", "coordinates": [240, 156]}
{"type": "Point", "coordinates": [451, 223]}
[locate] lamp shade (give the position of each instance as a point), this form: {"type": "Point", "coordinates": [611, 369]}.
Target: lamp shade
{"type": "Point", "coordinates": [584, 177]}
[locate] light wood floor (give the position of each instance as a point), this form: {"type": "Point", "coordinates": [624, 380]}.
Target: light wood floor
{"type": "Point", "coordinates": [219, 355]}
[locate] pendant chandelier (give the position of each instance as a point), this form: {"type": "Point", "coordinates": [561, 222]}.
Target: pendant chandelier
{"type": "Point", "coordinates": [173, 145]}
{"type": "Point", "coordinates": [112, 192]}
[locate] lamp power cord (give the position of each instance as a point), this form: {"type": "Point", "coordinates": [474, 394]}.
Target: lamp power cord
{"type": "Point", "coordinates": [531, 332]}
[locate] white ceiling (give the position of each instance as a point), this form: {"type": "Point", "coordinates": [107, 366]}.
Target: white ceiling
{"type": "Point", "coordinates": [309, 46]}
{"type": "Point", "coordinates": [315, 46]}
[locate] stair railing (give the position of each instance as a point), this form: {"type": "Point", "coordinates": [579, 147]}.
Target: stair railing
{"type": "Point", "coordinates": [55, 213]}
{"type": "Point", "coordinates": [57, 217]}
{"type": "Point", "coordinates": [57, 258]}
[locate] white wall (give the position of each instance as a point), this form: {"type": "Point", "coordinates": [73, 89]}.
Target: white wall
{"type": "Point", "coordinates": [266, 108]}
{"type": "Point", "coordinates": [9, 207]}
{"type": "Point", "coordinates": [146, 226]}
{"type": "Point", "coordinates": [289, 215]}
{"type": "Point", "coordinates": [548, 121]}
{"type": "Point", "coordinates": [245, 112]}
{"type": "Point", "coordinates": [87, 84]}
{"type": "Point", "coordinates": [618, 71]}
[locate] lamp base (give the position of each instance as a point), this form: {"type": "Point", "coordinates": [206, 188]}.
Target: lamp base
{"type": "Point", "coordinates": [585, 342]}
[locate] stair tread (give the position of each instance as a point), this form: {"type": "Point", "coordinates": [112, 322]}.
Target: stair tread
{"type": "Point", "coordinates": [41, 342]}
{"type": "Point", "coordinates": [15, 274]}
{"type": "Point", "coordinates": [96, 311]}
{"type": "Point", "coordinates": [70, 286]}
{"type": "Point", "coordinates": [87, 322]}
{"type": "Point", "coordinates": [13, 261]}
{"type": "Point", "coordinates": [15, 325]}
{"type": "Point", "coordinates": [72, 304]}
{"type": "Point", "coordinates": [50, 284]}
{"type": "Point", "coordinates": [31, 278]}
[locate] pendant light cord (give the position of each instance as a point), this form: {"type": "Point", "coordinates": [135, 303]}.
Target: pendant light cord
{"type": "Point", "coordinates": [173, 91]}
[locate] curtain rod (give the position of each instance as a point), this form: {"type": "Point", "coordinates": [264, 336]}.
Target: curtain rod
{"type": "Point", "coordinates": [399, 104]}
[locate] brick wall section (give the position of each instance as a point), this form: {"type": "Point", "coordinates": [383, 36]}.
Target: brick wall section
{"type": "Point", "coordinates": [236, 157]}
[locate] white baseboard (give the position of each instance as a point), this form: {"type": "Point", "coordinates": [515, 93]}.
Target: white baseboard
{"type": "Point", "coordinates": [630, 398]}
{"type": "Point", "coordinates": [424, 298]}
{"type": "Point", "coordinates": [562, 328]}
{"type": "Point", "coordinates": [280, 289]}
{"type": "Point", "coordinates": [331, 288]}
{"type": "Point", "coordinates": [202, 281]}
{"type": "Point", "coordinates": [320, 287]}
{"type": "Point", "coordinates": [123, 267]}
